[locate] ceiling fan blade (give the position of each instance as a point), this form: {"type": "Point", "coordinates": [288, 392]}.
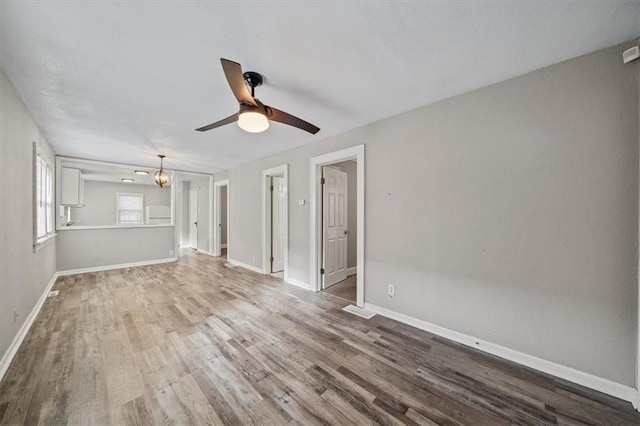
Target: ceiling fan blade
{"type": "Point", "coordinates": [285, 118]}
{"type": "Point", "coordinates": [222, 122]}
{"type": "Point", "coordinates": [233, 72]}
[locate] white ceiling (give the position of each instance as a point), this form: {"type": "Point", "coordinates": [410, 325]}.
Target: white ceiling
{"type": "Point", "coordinates": [124, 81]}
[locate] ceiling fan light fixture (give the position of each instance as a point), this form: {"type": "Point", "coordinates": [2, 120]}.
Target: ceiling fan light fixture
{"type": "Point", "coordinates": [253, 121]}
{"type": "Point", "coordinates": [161, 176]}
{"type": "Point", "coordinates": [254, 116]}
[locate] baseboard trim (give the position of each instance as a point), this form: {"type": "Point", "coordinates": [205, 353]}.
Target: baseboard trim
{"type": "Point", "coordinates": [118, 266]}
{"type": "Point", "coordinates": [600, 384]}
{"type": "Point", "coordinates": [26, 326]}
{"type": "Point", "coordinates": [223, 246]}
{"type": "Point", "coordinates": [208, 253]}
{"type": "Point", "coordinates": [352, 271]}
{"type": "Point", "coordinates": [298, 283]}
{"type": "Point", "coordinates": [246, 266]}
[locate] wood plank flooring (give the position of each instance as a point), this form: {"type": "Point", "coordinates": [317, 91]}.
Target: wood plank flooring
{"type": "Point", "coordinates": [196, 342]}
{"type": "Point", "coordinates": [346, 289]}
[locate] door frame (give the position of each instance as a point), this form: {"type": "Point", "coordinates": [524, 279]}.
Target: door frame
{"type": "Point", "coordinates": [279, 171]}
{"type": "Point", "coordinates": [315, 201]}
{"type": "Point", "coordinates": [217, 213]}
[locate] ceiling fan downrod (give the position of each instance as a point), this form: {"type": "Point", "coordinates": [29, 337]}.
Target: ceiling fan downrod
{"type": "Point", "coordinates": [253, 80]}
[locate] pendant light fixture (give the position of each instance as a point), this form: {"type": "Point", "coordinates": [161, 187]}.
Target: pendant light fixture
{"type": "Point", "coordinates": [161, 176]}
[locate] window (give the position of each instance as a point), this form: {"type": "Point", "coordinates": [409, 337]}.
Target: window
{"type": "Point", "coordinates": [130, 208]}
{"type": "Point", "coordinates": [43, 197]}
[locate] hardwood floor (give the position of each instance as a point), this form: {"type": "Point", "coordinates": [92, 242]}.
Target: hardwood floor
{"type": "Point", "coordinates": [195, 342]}
{"type": "Point", "coordinates": [345, 289]}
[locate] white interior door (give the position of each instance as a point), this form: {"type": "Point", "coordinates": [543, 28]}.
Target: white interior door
{"type": "Point", "coordinates": [193, 218]}
{"type": "Point", "coordinates": [334, 226]}
{"type": "Point", "coordinates": [277, 224]}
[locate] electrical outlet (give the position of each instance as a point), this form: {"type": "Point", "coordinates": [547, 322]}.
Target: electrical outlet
{"type": "Point", "coordinates": [391, 290]}
{"type": "Point", "coordinates": [170, 252]}
{"type": "Point", "coordinates": [15, 316]}
{"type": "Point", "coordinates": [253, 259]}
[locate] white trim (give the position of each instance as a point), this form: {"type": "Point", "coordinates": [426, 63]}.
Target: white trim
{"type": "Point", "coordinates": [83, 228]}
{"type": "Point", "coordinates": [245, 266]}
{"type": "Point", "coordinates": [39, 153]}
{"type": "Point", "coordinates": [298, 283]}
{"type": "Point", "coordinates": [282, 170]}
{"type": "Point", "coordinates": [118, 266]}
{"type": "Point", "coordinates": [617, 390]}
{"type": "Point", "coordinates": [211, 207]}
{"type": "Point", "coordinates": [44, 242]}
{"type": "Point", "coordinates": [223, 246]}
{"type": "Point", "coordinates": [217, 249]}
{"type": "Point", "coordinates": [174, 215]}
{"type": "Point", "coordinates": [352, 271]}
{"type": "Point", "coordinates": [357, 153]}
{"type": "Point", "coordinates": [8, 356]}
{"type": "Point", "coordinates": [208, 253]}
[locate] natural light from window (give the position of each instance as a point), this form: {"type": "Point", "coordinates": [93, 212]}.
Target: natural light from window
{"type": "Point", "coordinates": [130, 208]}
{"type": "Point", "coordinates": [43, 187]}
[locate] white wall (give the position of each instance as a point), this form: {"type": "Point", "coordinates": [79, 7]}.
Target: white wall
{"type": "Point", "coordinates": [514, 212]}
{"type": "Point", "coordinates": [24, 274]}
{"type": "Point", "coordinates": [100, 201]}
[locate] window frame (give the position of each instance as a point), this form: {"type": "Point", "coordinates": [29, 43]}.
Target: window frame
{"type": "Point", "coordinates": [118, 209]}
{"type": "Point", "coordinates": [44, 182]}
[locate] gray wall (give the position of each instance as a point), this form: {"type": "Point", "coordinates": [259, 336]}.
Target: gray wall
{"type": "Point", "coordinates": [350, 168]}
{"type": "Point", "coordinates": [514, 212]}
{"type": "Point", "coordinates": [24, 274]}
{"type": "Point", "coordinates": [90, 248]}
{"type": "Point", "coordinates": [100, 201]}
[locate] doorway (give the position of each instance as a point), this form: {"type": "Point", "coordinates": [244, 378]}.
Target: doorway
{"type": "Point", "coordinates": [339, 229]}
{"type": "Point", "coordinates": [194, 212]}
{"type": "Point", "coordinates": [332, 234]}
{"type": "Point", "coordinates": [193, 218]}
{"type": "Point", "coordinates": [221, 218]}
{"type": "Point", "coordinates": [275, 207]}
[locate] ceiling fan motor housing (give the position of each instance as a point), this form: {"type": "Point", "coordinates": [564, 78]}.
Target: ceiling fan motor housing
{"type": "Point", "coordinates": [253, 79]}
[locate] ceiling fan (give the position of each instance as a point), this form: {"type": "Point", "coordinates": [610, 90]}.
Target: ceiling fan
{"type": "Point", "coordinates": [253, 115]}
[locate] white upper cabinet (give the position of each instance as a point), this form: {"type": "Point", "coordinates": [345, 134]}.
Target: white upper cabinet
{"type": "Point", "coordinates": [71, 187]}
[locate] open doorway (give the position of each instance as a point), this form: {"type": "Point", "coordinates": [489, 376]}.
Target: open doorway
{"type": "Point", "coordinates": [339, 229]}
{"type": "Point", "coordinates": [221, 218]}
{"type": "Point", "coordinates": [337, 224]}
{"type": "Point", "coordinates": [275, 206]}
{"type": "Point", "coordinates": [193, 212]}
